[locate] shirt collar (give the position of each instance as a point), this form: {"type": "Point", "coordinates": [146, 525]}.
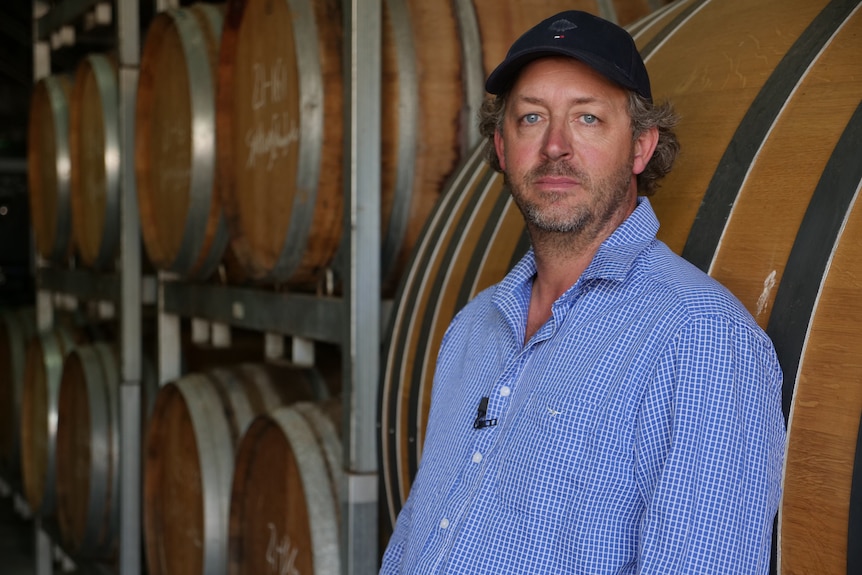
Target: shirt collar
{"type": "Point", "coordinates": [612, 261]}
{"type": "Point", "coordinates": [617, 254]}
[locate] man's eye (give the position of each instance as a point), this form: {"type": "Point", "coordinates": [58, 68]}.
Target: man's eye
{"type": "Point", "coordinates": [589, 119]}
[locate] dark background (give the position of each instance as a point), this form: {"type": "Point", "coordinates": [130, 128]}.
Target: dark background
{"type": "Point", "coordinates": [16, 75]}
{"type": "Point", "coordinates": [16, 80]}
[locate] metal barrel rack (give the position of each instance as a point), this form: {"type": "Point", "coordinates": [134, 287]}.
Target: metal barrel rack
{"type": "Point", "coordinates": [352, 320]}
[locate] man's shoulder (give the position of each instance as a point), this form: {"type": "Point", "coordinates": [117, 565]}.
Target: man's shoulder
{"type": "Point", "coordinates": [689, 287]}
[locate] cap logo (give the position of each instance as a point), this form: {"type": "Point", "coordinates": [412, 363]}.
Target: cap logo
{"type": "Point", "coordinates": [560, 26]}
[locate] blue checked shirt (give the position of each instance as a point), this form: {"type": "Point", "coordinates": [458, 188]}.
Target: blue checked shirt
{"type": "Point", "coordinates": [638, 431]}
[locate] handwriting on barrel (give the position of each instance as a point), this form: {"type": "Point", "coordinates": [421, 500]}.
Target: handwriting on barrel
{"type": "Point", "coordinates": [270, 85]}
{"type": "Point", "coordinates": [272, 141]}
{"type": "Point", "coordinates": [281, 554]}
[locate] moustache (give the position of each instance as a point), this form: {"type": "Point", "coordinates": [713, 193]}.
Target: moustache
{"type": "Point", "coordinates": [555, 169]}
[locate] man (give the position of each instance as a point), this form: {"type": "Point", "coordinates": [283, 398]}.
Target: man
{"type": "Point", "coordinates": [607, 407]}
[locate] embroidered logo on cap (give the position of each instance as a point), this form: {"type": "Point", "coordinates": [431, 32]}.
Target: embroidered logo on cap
{"type": "Point", "coordinates": [560, 26]}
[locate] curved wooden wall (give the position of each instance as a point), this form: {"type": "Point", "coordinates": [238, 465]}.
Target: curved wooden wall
{"type": "Point", "coordinates": [763, 198]}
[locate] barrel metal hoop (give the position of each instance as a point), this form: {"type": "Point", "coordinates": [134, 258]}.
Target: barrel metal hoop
{"type": "Point", "coordinates": [106, 80]}
{"type": "Point", "coordinates": [311, 90]}
{"type": "Point", "coordinates": [62, 166]}
{"type": "Point", "coordinates": [323, 508]}
{"type": "Point", "coordinates": [215, 455]}
{"type": "Point", "coordinates": [202, 177]}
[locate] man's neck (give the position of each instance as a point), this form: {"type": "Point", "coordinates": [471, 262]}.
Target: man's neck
{"type": "Point", "coordinates": [561, 258]}
{"type": "Point", "coordinates": [557, 269]}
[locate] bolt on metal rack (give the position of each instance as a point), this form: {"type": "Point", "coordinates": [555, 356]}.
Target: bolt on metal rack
{"type": "Point", "coordinates": [353, 320]}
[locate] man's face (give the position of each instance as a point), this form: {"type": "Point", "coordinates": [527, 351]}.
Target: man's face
{"type": "Point", "coordinates": [566, 148]}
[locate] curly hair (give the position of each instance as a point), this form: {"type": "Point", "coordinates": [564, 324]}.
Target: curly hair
{"type": "Point", "coordinates": [644, 115]}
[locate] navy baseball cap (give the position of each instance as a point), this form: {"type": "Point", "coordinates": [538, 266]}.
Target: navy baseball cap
{"type": "Point", "coordinates": [602, 45]}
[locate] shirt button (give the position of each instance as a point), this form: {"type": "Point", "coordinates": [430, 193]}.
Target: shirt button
{"type": "Point", "coordinates": [444, 523]}
{"type": "Point", "coordinates": [505, 391]}
{"type": "Point", "coordinates": [477, 457]}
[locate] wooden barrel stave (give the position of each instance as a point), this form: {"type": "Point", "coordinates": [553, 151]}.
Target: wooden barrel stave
{"type": "Point", "coordinates": [721, 84]}
{"type": "Point", "coordinates": [787, 161]}
{"type": "Point", "coordinates": [181, 217]}
{"type": "Point", "coordinates": [759, 258]}
{"type": "Point", "coordinates": [196, 424]}
{"type": "Point", "coordinates": [626, 12]}
{"type": "Point", "coordinates": [48, 168]}
{"type": "Point", "coordinates": [284, 513]}
{"type": "Point", "coordinates": [817, 76]}
{"type": "Point", "coordinates": [813, 326]}
{"type": "Point", "coordinates": [814, 520]}
{"type": "Point", "coordinates": [754, 127]}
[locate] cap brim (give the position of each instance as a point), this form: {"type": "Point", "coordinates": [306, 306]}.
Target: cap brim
{"type": "Point", "coordinates": [503, 75]}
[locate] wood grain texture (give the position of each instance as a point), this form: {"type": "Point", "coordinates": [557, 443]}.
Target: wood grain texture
{"type": "Point", "coordinates": [181, 212]}
{"type": "Point", "coordinates": [48, 170]}
{"type": "Point", "coordinates": [769, 94]}
{"type": "Point", "coordinates": [191, 440]}
{"type": "Point", "coordinates": [284, 513]}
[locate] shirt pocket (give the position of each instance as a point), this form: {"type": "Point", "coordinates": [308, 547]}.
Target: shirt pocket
{"type": "Point", "coordinates": [542, 457]}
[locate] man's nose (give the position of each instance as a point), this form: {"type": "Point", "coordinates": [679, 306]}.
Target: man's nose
{"type": "Point", "coordinates": [558, 140]}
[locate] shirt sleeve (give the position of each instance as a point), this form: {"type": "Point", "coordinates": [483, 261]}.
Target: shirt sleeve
{"type": "Point", "coordinates": [709, 453]}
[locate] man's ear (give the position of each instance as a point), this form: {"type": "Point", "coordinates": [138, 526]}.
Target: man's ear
{"type": "Point", "coordinates": [498, 145]}
{"type": "Point", "coordinates": [643, 149]}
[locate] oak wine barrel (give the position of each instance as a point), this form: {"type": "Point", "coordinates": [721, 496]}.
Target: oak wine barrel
{"type": "Point", "coordinates": [284, 508]}
{"type": "Point", "coordinates": [95, 161]}
{"type": "Point", "coordinates": [280, 111]}
{"type": "Point", "coordinates": [17, 326]}
{"type": "Point", "coordinates": [87, 443]}
{"type": "Point", "coordinates": [761, 198]}
{"type": "Point", "coordinates": [44, 368]}
{"type": "Point", "coordinates": [191, 439]}
{"type": "Point", "coordinates": [279, 77]}
{"type": "Point", "coordinates": [87, 452]}
{"type": "Point", "coordinates": [49, 168]}
{"type": "Point", "coordinates": [182, 224]}
{"type": "Point", "coordinates": [44, 358]}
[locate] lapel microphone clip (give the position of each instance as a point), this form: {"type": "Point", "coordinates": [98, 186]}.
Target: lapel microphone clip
{"type": "Point", "coordinates": [480, 422]}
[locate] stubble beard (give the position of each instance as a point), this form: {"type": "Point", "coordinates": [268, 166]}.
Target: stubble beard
{"type": "Point", "coordinates": [584, 221]}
